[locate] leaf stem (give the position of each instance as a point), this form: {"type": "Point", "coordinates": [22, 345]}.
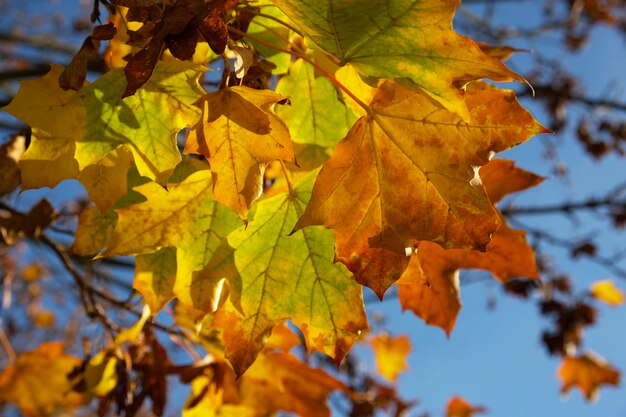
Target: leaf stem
{"type": "Point", "coordinates": [318, 67]}
{"type": "Point", "coordinates": [287, 176]}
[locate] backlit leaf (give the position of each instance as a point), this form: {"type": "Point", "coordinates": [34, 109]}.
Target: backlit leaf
{"type": "Point", "coordinates": [316, 115]}
{"type": "Point", "coordinates": [10, 154]}
{"type": "Point", "coordinates": [155, 275]}
{"type": "Point", "coordinates": [239, 133]}
{"type": "Point", "coordinates": [105, 181]}
{"type": "Point", "coordinates": [185, 217]}
{"type": "Point", "coordinates": [100, 374]}
{"type": "Point", "coordinates": [430, 285]}
{"type": "Point", "coordinates": [289, 276]}
{"type": "Point", "coordinates": [272, 32]}
{"type": "Point", "coordinates": [607, 292]}
{"type": "Point", "coordinates": [406, 40]}
{"type": "Point", "coordinates": [383, 188]}
{"type": "Point", "coordinates": [57, 119]}
{"type": "Point", "coordinates": [459, 407]}
{"type": "Point", "coordinates": [37, 382]}
{"type": "Point", "coordinates": [147, 122]}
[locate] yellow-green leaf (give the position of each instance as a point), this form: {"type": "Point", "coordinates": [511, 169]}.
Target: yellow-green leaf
{"type": "Point", "coordinates": [100, 374]}
{"type": "Point", "coordinates": [186, 217]}
{"type": "Point", "coordinates": [105, 181]}
{"type": "Point", "coordinates": [273, 32]}
{"type": "Point", "coordinates": [316, 115]}
{"type": "Point", "coordinates": [155, 275]}
{"type": "Point", "coordinates": [289, 276]}
{"type": "Point", "coordinates": [405, 40]}
{"type": "Point", "coordinates": [147, 122]}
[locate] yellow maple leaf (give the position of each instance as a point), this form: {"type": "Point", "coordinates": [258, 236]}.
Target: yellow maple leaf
{"type": "Point", "coordinates": [239, 134]}
{"type": "Point", "coordinates": [37, 382]}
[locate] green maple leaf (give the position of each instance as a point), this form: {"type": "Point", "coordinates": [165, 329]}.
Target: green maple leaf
{"type": "Point", "coordinates": [147, 122]}
{"type": "Point", "coordinates": [289, 276]}
{"type": "Point", "coordinates": [316, 115]}
{"type": "Point", "coordinates": [406, 40]}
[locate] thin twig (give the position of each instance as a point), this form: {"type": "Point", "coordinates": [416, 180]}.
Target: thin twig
{"type": "Point", "coordinates": [87, 292]}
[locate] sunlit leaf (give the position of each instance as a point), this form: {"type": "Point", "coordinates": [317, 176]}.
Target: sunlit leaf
{"type": "Point", "coordinates": [405, 40]}
{"type": "Point", "coordinates": [409, 172]}
{"type": "Point", "coordinates": [289, 276]}
{"type": "Point", "coordinates": [37, 382]}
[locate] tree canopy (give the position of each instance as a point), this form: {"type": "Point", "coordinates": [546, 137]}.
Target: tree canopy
{"type": "Point", "coordinates": [250, 170]}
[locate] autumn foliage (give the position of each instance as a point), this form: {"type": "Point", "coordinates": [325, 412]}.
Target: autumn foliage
{"type": "Point", "coordinates": [344, 144]}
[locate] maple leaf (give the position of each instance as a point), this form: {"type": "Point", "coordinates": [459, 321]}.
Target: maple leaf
{"type": "Point", "coordinates": [147, 122]}
{"type": "Point", "coordinates": [459, 407]}
{"type": "Point", "coordinates": [316, 115]}
{"type": "Point", "coordinates": [279, 381]}
{"type": "Point", "coordinates": [607, 292]}
{"type": "Point", "coordinates": [75, 130]}
{"type": "Point", "coordinates": [289, 276]}
{"type": "Point", "coordinates": [587, 372]}
{"type": "Point", "coordinates": [186, 217]}
{"type": "Point", "coordinates": [94, 231]}
{"type": "Point", "coordinates": [430, 285]}
{"type": "Point", "coordinates": [390, 355]}
{"type": "Point", "coordinates": [37, 382]}
{"type": "Point", "coordinates": [239, 134]}
{"type": "Point", "coordinates": [56, 117]}
{"type": "Point", "coordinates": [406, 40]}
{"type": "Point", "coordinates": [408, 172]}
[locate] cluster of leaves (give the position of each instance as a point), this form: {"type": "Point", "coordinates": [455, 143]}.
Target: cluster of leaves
{"type": "Point", "coordinates": [379, 128]}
